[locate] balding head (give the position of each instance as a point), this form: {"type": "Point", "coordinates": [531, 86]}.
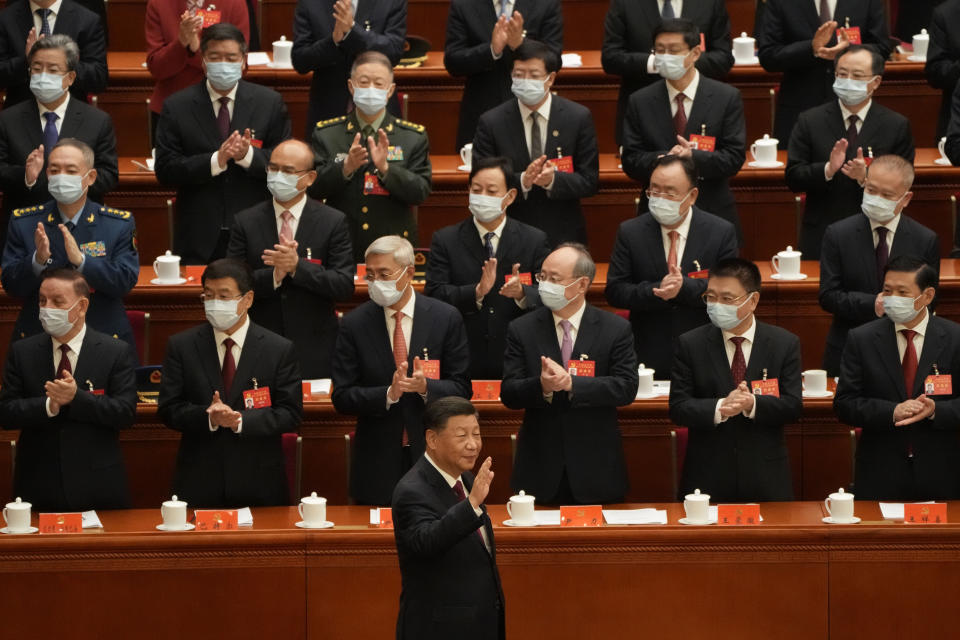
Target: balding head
{"type": "Point", "coordinates": [293, 158]}
{"type": "Point", "coordinates": [891, 164]}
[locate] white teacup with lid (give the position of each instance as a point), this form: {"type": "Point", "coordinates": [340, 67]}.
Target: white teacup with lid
{"type": "Point", "coordinates": [840, 507]}
{"type": "Point", "coordinates": [921, 41]}
{"type": "Point", "coordinates": [764, 150]}
{"type": "Point", "coordinates": [174, 514]}
{"type": "Point", "coordinates": [645, 385]}
{"type": "Point", "coordinates": [17, 516]}
{"type": "Point", "coordinates": [167, 268]}
{"type": "Point", "coordinates": [282, 49]}
{"type": "Point", "coordinates": [787, 263]}
{"type": "Point", "coordinates": [521, 507]}
{"type": "Point", "coordinates": [744, 49]}
{"type": "Point", "coordinates": [313, 510]}
{"type": "Point", "coordinates": [697, 507]}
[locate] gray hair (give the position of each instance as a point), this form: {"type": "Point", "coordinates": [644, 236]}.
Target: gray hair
{"type": "Point", "coordinates": [368, 57]}
{"type": "Point", "coordinates": [585, 266]}
{"type": "Point", "coordinates": [399, 248]}
{"type": "Point", "coordinates": [58, 41]}
{"type": "Point", "coordinates": [897, 164]}
{"type": "Point", "coordinates": [84, 148]}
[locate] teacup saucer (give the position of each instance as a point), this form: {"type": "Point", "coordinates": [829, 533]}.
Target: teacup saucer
{"type": "Point", "coordinates": [168, 282]}
{"type": "Point", "coordinates": [186, 527]}
{"type": "Point", "coordinates": [830, 520]}
{"type": "Point", "coordinates": [781, 276]}
{"type": "Point", "coordinates": [699, 523]}
{"type": "Point", "coordinates": [944, 162]}
{"type": "Point", "coordinates": [739, 62]}
{"type": "Point", "coordinates": [650, 396]}
{"type": "Point", "coordinates": [16, 533]}
{"type": "Point", "coordinates": [917, 58]}
{"type": "Point", "coordinates": [817, 394]}
{"type": "Point", "coordinates": [510, 523]}
{"type": "Point", "coordinates": [765, 165]}
{"type": "Point", "coordinates": [464, 167]}
{"type": "Point", "coordinates": [303, 525]}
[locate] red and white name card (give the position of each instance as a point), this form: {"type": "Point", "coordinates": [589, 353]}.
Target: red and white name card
{"type": "Point", "coordinates": [581, 516]}
{"type": "Point", "coordinates": [60, 523]}
{"type": "Point", "coordinates": [934, 513]}
{"type": "Point", "coordinates": [217, 519]}
{"type": "Point", "coordinates": [738, 514]}
{"type": "Point", "coordinates": [486, 389]}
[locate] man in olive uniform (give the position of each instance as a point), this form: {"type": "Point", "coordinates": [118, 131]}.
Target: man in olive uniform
{"type": "Point", "coordinates": [371, 165]}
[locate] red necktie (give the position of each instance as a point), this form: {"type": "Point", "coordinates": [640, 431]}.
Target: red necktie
{"type": "Point", "coordinates": [64, 365]}
{"type": "Point", "coordinates": [223, 118]}
{"type": "Point", "coordinates": [738, 369]}
{"type": "Point", "coordinates": [909, 361]}
{"type": "Point", "coordinates": [229, 366]}
{"type": "Point", "coordinates": [672, 256]}
{"type": "Point", "coordinates": [853, 136]}
{"type": "Point", "coordinates": [680, 117]}
{"type": "Point", "coordinates": [400, 358]}
{"type": "Point", "coordinates": [286, 229]}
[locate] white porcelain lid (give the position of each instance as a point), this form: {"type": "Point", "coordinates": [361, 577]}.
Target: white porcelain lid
{"type": "Point", "coordinates": [18, 505]}
{"type": "Point", "coordinates": [313, 499]}
{"type": "Point", "coordinates": [174, 502]}
{"type": "Point", "coordinates": [522, 497]}
{"type": "Point", "coordinates": [766, 140]}
{"type": "Point", "coordinates": [696, 496]}
{"type": "Point", "coordinates": [168, 257]}
{"type": "Point", "coordinates": [789, 253]}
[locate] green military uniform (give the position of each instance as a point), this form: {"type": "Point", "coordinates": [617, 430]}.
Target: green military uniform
{"type": "Point", "coordinates": [375, 206]}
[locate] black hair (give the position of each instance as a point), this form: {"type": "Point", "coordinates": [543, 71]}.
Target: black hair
{"type": "Point", "coordinates": [877, 64]}
{"type": "Point", "coordinates": [534, 49]}
{"type": "Point", "coordinates": [80, 286]}
{"type": "Point", "coordinates": [743, 270]}
{"type": "Point", "coordinates": [439, 412]}
{"type": "Point", "coordinates": [689, 167]}
{"type": "Point", "coordinates": [493, 162]}
{"type": "Point", "coordinates": [924, 274]}
{"type": "Point", "coordinates": [690, 31]}
{"type": "Point", "coordinates": [229, 268]}
{"type": "Point", "coordinates": [222, 31]}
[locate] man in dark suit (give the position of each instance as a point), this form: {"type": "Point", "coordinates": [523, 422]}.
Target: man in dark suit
{"type": "Point", "coordinates": [480, 265]}
{"type": "Point", "coordinates": [802, 39]}
{"type": "Point", "coordinates": [302, 261]}
{"type": "Point", "coordinates": [230, 455]}
{"type": "Point", "coordinates": [664, 117]}
{"type": "Point", "coordinates": [29, 130]}
{"type": "Point", "coordinates": [943, 58]}
{"type": "Point", "coordinates": [329, 35]}
{"type": "Point", "coordinates": [448, 560]}
{"type": "Point", "coordinates": [660, 263]}
{"type": "Point", "coordinates": [549, 140]}
{"type": "Point", "coordinates": [74, 232]}
{"type": "Point", "coordinates": [735, 384]}
{"type": "Point", "coordinates": [856, 251]}
{"type": "Point", "coordinates": [216, 172]}
{"type": "Point", "coordinates": [482, 38]}
{"type": "Point", "coordinates": [69, 391]}
{"type": "Point", "coordinates": [394, 353]}
{"type": "Point", "coordinates": [890, 387]}
{"type": "Point", "coordinates": [832, 144]}
{"type": "Point", "coordinates": [628, 39]}
{"type": "Point", "coordinates": [569, 365]}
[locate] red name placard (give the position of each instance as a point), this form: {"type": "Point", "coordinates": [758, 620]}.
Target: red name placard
{"type": "Point", "coordinates": [935, 513]}
{"type": "Point", "coordinates": [431, 369]}
{"type": "Point", "coordinates": [938, 385]}
{"type": "Point", "coordinates": [525, 278]}
{"type": "Point", "coordinates": [769, 387]}
{"type": "Point", "coordinates": [585, 368]}
{"type": "Point", "coordinates": [386, 518]}
{"type": "Point", "coordinates": [581, 516]}
{"type": "Point", "coordinates": [738, 514]}
{"type": "Point", "coordinates": [61, 523]}
{"type": "Point", "coordinates": [216, 519]}
{"type": "Point", "coordinates": [486, 389]}
{"type": "Point", "coordinates": [563, 164]}
{"type": "Point", "coordinates": [703, 143]}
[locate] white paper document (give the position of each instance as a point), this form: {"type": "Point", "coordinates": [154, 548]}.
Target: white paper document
{"type": "Point", "coordinates": [547, 517]}
{"type": "Point", "coordinates": [89, 520]}
{"type": "Point", "coordinates": [635, 516]}
{"type": "Point", "coordinates": [244, 517]}
{"type": "Point", "coordinates": [320, 386]}
{"type": "Point", "coordinates": [571, 60]}
{"type": "Point", "coordinates": [894, 510]}
{"type": "Point", "coordinates": [255, 58]}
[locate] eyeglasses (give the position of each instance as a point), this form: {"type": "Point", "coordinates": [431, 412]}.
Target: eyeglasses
{"type": "Point", "coordinates": [856, 75]}
{"type": "Point", "coordinates": [278, 169]}
{"type": "Point", "coordinates": [711, 298]}
{"type": "Point", "coordinates": [205, 298]}
{"type": "Point", "coordinates": [520, 75]}
{"type": "Point", "coordinates": [373, 277]}
{"type": "Point", "coordinates": [676, 197]}
{"type": "Point", "coordinates": [543, 277]}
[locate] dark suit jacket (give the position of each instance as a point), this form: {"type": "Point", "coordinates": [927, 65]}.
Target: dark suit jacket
{"type": "Point", "coordinates": [943, 57]}
{"type": "Point", "coordinates": [871, 385]}
{"type": "Point", "coordinates": [628, 41]}
{"type": "Point", "coordinates": [739, 460]}
{"type": "Point", "coordinates": [849, 282]}
{"type": "Point", "coordinates": [637, 267]}
{"type": "Point", "coordinates": [453, 271]}
{"type": "Point", "coordinates": [363, 368]}
{"type": "Point", "coordinates": [648, 133]}
{"type": "Point", "coordinates": [576, 432]}
{"type": "Point", "coordinates": [71, 462]}
{"type": "Point", "coordinates": [222, 468]}
{"type": "Point", "coordinates": [451, 586]}
{"type": "Point", "coordinates": [81, 24]}
{"type": "Point", "coordinates": [570, 129]}
{"type": "Point", "coordinates": [884, 131]}
{"type": "Point", "coordinates": [467, 53]}
{"type": "Point", "coordinates": [952, 148]}
{"type": "Point", "coordinates": [186, 138]}
{"type": "Point", "coordinates": [302, 309]}
{"type": "Point", "coordinates": [21, 133]}
{"type": "Point", "coordinates": [784, 36]}
{"type": "Point", "coordinates": [378, 26]}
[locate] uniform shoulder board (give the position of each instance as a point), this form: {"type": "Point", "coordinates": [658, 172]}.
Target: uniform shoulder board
{"type": "Point", "coordinates": [116, 213]}
{"type": "Point", "coordinates": [413, 126]}
{"type": "Point", "coordinates": [326, 123]}
{"type": "Point", "coordinates": [27, 211]}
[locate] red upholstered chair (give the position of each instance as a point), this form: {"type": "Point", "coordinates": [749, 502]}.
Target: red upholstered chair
{"type": "Point", "coordinates": [678, 451]}
{"type": "Point", "coordinates": [854, 440]}
{"type": "Point", "coordinates": [140, 323]}
{"type": "Point", "coordinates": [292, 445]}
{"type": "Point", "coordinates": [623, 313]}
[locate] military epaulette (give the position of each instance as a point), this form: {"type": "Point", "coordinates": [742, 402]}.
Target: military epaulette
{"type": "Point", "coordinates": [419, 128]}
{"type": "Point", "coordinates": [326, 123]}
{"type": "Point", "coordinates": [27, 211]}
{"type": "Point", "coordinates": [116, 213]}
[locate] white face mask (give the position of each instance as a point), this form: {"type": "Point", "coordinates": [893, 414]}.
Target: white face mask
{"type": "Point", "coordinates": [666, 212]}
{"type": "Point", "coordinates": [66, 188]}
{"type": "Point", "coordinates": [528, 91]}
{"type": "Point", "coordinates": [553, 295]}
{"type": "Point", "coordinates": [222, 314]}
{"type": "Point", "coordinates": [670, 66]}
{"type": "Point", "coordinates": [852, 92]}
{"type": "Point", "coordinates": [900, 309]}
{"type": "Point", "coordinates": [878, 208]}
{"type": "Point", "coordinates": [485, 208]}
{"type": "Point", "coordinates": [385, 292]}
{"type": "Point", "coordinates": [47, 87]}
{"type": "Point", "coordinates": [725, 316]}
{"type": "Point", "coordinates": [56, 322]}
{"type": "Point", "coordinates": [370, 100]}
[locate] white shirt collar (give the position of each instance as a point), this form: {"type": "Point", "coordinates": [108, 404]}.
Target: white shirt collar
{"type": "Point", "coordinates": [574, 319]}
{"type": "Point", "coordinates": [74, 342]}
{"type": "Point", "coordinates": [407, 309]}
{"type": "Point", "coordinates": [748, 334]}
{"type": "Point", "coordinates": [296, 210]}
{"type": "Point", "coordinates": [862, 114]}
{"type": "Point", "coordinates": [544, 109]}
{"type": "Point", "coordinates": [498, 232]}
{"type": "Point", "coordinates": [450, 480]}
{"type": "Point", "coordinates": [61, 111]}
{"type": "Point", "coordinates": [238, 337]}
{"type": "Point", "coordinates": [215, 97]}
{"type": "Point", "coordinates": [683, 230]}
{"type": "Point", "coordinates": [921, 327]}
{"type": "Point", "coordinates": [891, 226]}
{"type": "Point", "coordinates": [690, 91]}
{"type": "Point", "coordinates": [54, 9]}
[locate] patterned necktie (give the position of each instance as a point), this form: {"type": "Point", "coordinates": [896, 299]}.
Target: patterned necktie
{"type": "Point", "coordinates": [64, 365]}
{"type": "Point", "coordinates": [44, 25]}
{"type": "Point", "coordinates": [566, 347]}
{"type": "Point", "coordinates": [738, 368]}
{"type": "Point", "coordinates": [286, 229]}
{"type": "Point", "coordinates": [853, 136]}
{"type": "Point", "coordinates": [229, 365]}
{"type": "Point", "coordinates": [50, 133]}
{"type": "Point", "coordinates": [536, 142]}
{"type": "Point", "coordinates": [680, 117]}
{"type": "Point", "coordinates": [488, 243]}
{"type": "Point", "coordinates": [668, 10]}
{"type": "Point", "coordinates": [909, 363]}
{"type": "Point", "coordinates": [883, 253]}
{"type": "Point", "coordinates": [223, 118]}
{"type": "Point", "coordinates": [399, 342]}
{"type": "Point", "coordinates": [504, 5]}
{"type": "Point", "coordinates": [672, 256]}
{"type": "Point", "coordinates": [825, 11]}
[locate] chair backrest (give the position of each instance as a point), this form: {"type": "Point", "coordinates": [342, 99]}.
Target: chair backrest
{"type": "Point", "coordinates": [292, 445]}
{"type": "Point", "coordinates": [140, 324]}
{"type": "Point", "coordinates": [678, 451]}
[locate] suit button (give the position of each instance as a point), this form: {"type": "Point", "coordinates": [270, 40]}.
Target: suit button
{"type": "Point", "coordinates": [406, 234]}
{"type": "Point", "coordinates": [363, 209]}
{"type": "Point", "coordinates": [491, 310]}
{"type": "Point", "coordinates": [365, 226]}
{"type": "Point", "coordinates": [114, 335]}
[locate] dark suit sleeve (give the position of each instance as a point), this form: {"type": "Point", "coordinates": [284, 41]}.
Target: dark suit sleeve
{"type": "Point", "coordinates": [731, 149]}
{"type": "Point", "coordinates": [349, 395]}
{"type": "Point", "coordinates": [334, 278]}
{"type": "Point", "coordinates": [173, 167]}
{"type": "Point", "coordinates": [877, 34]}
{"type": "Point", "coordinates": [286, 400]}
{"type": "Point", "coordinates": [92, 68]}
{"type": "Point", "coordinates": [389, 43]}
{"type": "Point", "coordinates": [16, 410]}
{"type": "Point", "coordinates": [619, 387]}
{"type": "Point", "coordinates": [943, 64]}
{"type": "Point", "coordinates": [455, 364]}
{"type": "Point", "coordinates": [622, 291]}
{"type": "Point", "coordinates": [803, 173]}
{"type": "Point", "coordinates": [421, 533]}
{"type": "Point", "coordinates": [853, 404]}
{"type": "Point", "coordinates": [410, 183]}
{"type": "Point", "coordinates": [616, 58]}
{"type": "Point", "coordinates": [460, 57]}
{"type": "Point", "coordinates": [551, 29]}
{"type": "Point", "coordinates": [520, 389]}
{"type": "Point", "coordinates": [772, 48]}
{"type": "Point", "coordinates": [439, 277]}
{"type": "Point", "coordinates": [13, 55]}
{"type": "Point", "coordinates": [17, 272]}
{"type": "Point", "coordinates": [237, 249]}
{"type": "Point", "coordinates": [904, 146]}
{"type": "Point", "coordinates": [717, 60]}
{"type": "Point", "coordinates": [637, 160]}
{"type": "Point", "coordinates": [773, 411]}
{"type": "Point", "coordinates": [311, 50]}
{"type": "Point", "coordinates": [686, 409]}
{"type": "Point", "coordinates": [175, 409]}
{"type": "Point", "coordinates": [116, 274]}
{"type": "Point", "coordinates": [853, 306]}
{"type": "Point", "coordinates": [277, 131]}
{"type": "Point", "coordinates": [485, 143]}
{"type": "Point", "coordinates": [693, 288]}
{"type": "Point", "coordinates": [952, 148]}
{"type": "Point", "coordinates": [117, 407]}
{"type": "Point", "coordinates": [12, 169]}
{"type": "Point", "coordinates": [105, 155]}
{"type": "Point", "coordinates": [585, 179]}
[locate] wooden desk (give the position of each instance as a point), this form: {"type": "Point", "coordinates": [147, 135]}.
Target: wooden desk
{"type": "Point", "coordinates": [790, 577]}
